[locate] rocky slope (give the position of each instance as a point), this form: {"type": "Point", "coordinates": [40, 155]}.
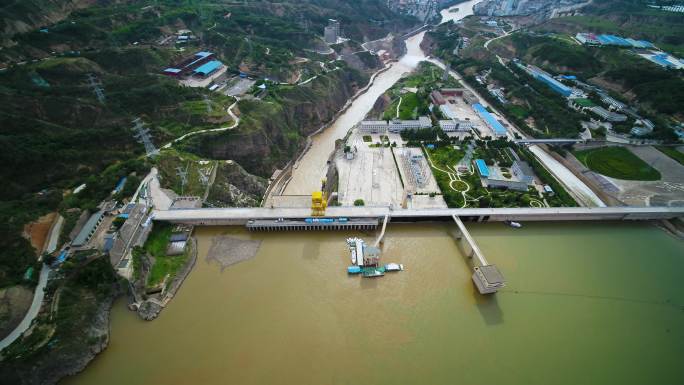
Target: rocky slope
{"type": "Point", "coordinates": [235, 187]}
{"type": "Point", "coordinates": [26, 15]}
{"type": "Point", "coordinates": [73, 327]}
{"type": "Point", "coordinates": [274, 129]}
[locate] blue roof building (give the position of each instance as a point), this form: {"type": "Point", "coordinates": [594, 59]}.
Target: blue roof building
{"type": "Point", "coordinates": [550, 81]}
{"type": "Point", "coordinates": [482, 168]}
{"type": "Point", "coordinates": [613, 40]}
{"type": "Point", "coordinates": [120, 185]}
{"type": "Point", "coordinates": [208, 68]}
{"type": "Point", "coordinates": [499, 130]}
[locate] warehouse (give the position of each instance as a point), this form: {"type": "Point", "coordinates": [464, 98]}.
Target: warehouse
{"type": "Point", "coordinates": [88, 229]}
{"type": "Point", "coordinates": [189, 64]}
{"type": "Point", "coordinates": [208, 68]}
{"type": "Point", "coordinates": [496, 127]}
{"type": "Point", "coordinates": [551, 82]}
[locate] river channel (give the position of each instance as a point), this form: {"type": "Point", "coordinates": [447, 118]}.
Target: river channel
{"type": "Point", "coordinates": [308, 172]}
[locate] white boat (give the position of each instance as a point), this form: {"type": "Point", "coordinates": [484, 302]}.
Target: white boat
{"type": "Point", "coordinates": [394, 267]}
{"type": "Point", "coordinates": [359, 252]}
{"type": "Point", "coordinates": [513, 224]}
{"type": "Point", "coordinates": [353, 256]}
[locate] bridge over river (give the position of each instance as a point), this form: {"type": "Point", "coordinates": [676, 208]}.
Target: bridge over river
{"type": "Point", "coordinates": [278, 217]}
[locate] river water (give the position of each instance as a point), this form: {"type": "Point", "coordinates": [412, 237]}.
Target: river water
{"type": "Point", "coordinates": [585, 304]}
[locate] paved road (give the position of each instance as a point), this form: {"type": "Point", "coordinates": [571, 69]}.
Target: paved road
{"type": "Point", "coordinates": [53, 237]}
{"type": "Point", "coordinates": [38, 296]}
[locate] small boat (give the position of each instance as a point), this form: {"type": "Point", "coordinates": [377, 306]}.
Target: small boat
{"type": "Point", "coordinates": [353, 270]}
{"type": "Point", "coordinates": [513, 224]}
{"type": "Point", "coordinates": [373, 273]}
{"type": "Point", "coordinates": [394, 267]}
{"type": "Point", "coordinates": [353, 257]}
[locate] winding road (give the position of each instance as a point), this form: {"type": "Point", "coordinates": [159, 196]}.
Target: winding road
{"type": "Point", "coordinates": [229, 110]}
{"type": "Point", "coordinates": [38, 296]}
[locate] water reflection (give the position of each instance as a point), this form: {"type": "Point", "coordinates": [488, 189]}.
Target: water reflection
{"type": "Point", "coordinates": [488, 306]}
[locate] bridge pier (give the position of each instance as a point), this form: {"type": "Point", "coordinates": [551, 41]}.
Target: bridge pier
{"type": "Point", "coordinates": [486, 277]}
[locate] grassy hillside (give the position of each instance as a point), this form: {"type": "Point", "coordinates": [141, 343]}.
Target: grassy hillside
{"type": "Point", "coordinates": [630, 18]}
{"type": "Point", "coordinates": [57, 134]}
{"type": "Point", "coordinates": [657, 91]}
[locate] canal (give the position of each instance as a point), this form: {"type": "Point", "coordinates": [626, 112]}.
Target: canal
{"type": "Point", "coordinates": [585, 304]}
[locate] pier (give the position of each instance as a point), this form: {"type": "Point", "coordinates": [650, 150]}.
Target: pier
{"type": "Point", "coordinates": [486, 276]}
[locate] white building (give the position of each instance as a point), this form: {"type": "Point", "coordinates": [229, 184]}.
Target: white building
{"type": "Point", "coordinates": [613, 103]}
{"type": "Point", "coordinates": [587, 38]}
{"type": "Point", "coordinates": [448, 125]}
{"type": "Point", "coordinates": [331, 33]}
{"type": "Point", "coordinates": [394, 126]}
{"type": "Point", "coordinates": [397, 125]}
{"type": "Point", "coordinates": [454, 125]}
{"type": "Point", "coordinates": [373, 126]}
{"type": "Point", "coordinates": [608, 115]}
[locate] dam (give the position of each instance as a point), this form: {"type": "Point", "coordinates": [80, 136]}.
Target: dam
{"type": "Point", "coordinates": [272, 216]}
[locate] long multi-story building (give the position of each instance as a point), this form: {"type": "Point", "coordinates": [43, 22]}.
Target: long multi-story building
{"type": "Point", "coordinates": [495, 125]}
{"type": "Point", "coordinates": [608, 115]}
{"type": "Point", "coordinates": [455, 125]}
{"type": "Point", "coordinates": [394, 126]}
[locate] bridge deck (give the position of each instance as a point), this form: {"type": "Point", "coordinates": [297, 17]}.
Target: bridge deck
{"type": "Point", "coordinates": [240, 216]}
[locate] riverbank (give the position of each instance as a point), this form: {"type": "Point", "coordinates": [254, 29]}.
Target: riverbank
{"type": "Point", "coordinates": [280, 183]}
{"type": "Point", "coordinates": [73, 327]}
{"type": "Point", "coordinates": [149, 305]}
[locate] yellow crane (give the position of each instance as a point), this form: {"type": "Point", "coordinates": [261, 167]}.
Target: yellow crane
{"type": "Point", "coordinates": [318, 203]}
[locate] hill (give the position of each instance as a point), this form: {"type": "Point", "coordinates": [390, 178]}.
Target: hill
{"type": "Point", "coordinates": [57, 134]}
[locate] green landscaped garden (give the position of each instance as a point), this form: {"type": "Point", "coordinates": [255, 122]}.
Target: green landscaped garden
{"type": "Point", "coordinates": [164, 264]}
{"type": "Point", "coordinates": [673, 153]}
{"type": "Point", "coordinates": [617, 162]}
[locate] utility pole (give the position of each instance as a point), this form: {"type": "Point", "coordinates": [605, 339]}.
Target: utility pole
{"type": "Point", "coordinates": [183, 175]}
{"type": "Point", "coordinates": [96, 85]}
{"type": "Point", "coordinates": [142, 134]}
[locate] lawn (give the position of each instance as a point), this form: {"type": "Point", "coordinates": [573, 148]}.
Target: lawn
{"type": "Point", "coordinates": [673, 153]}
{"type": "Point", "coordinates": [617, 162]}
{"type": "Point", "coordinates": [163, 264]}
{"type": "Point", "coordinates": [409, 106]}
{"type": "Point", "coordinates": [442, 157]}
